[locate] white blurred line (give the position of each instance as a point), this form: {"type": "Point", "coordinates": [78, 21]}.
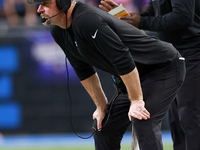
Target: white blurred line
{"type": "Point", "coordinates": [60, 140]}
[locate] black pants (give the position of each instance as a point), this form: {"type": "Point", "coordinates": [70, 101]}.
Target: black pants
{"type": "Point", "coordinates": [184, 114]}
{"type": "Point", "coordinates": [159, 90]}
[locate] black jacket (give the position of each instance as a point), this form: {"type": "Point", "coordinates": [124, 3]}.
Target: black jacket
{"type": "Point", "coordinates": [176, 21]}
{"type": "Point", "coordinates": [98, 39]}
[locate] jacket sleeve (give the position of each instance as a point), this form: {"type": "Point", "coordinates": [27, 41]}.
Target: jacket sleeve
{"type": "Point", "coordinates": [181, 16]}
{"type": "Point", "coordinates": [106, 42]}
{"type": "Point", "coordinates": [82, 69]}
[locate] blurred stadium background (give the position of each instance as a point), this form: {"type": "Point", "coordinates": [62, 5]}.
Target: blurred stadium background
{"type": "Point", "coordinates": [34, 103]}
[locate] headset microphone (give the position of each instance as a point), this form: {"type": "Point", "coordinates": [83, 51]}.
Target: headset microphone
{"type": "Point", "coordinates": [43, 20]}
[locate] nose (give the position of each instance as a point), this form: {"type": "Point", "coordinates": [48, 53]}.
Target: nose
{"type": "Point", "coordinates": [40, 9]}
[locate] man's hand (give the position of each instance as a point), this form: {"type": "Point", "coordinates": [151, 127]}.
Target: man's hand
{"type": "Point", "coordinates": [134, 19]}
{"type": "Point", "coordinates": [107, 5]}
{"type": "Point", "coordinates": [137, 110]}
{"type": "Point", "coordinates": [99, 115]}
{"type": "Point", "coordinates": [93, 86]}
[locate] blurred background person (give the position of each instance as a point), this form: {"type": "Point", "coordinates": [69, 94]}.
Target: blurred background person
{"type": "Point", "coordinates": [18, 12]}
{"type": "Point", "coordinates": [1, 9]}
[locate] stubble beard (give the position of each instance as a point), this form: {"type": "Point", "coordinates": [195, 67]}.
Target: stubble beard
{"type": "Point", "coordinates": [47, 22]}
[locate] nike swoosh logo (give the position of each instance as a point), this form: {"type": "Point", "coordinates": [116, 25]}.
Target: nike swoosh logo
{"type": "Point", "coordinates": [95, 34]}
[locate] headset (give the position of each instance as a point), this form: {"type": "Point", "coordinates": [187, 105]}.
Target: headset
{"type": "Point", "coordinates": [63, 5]}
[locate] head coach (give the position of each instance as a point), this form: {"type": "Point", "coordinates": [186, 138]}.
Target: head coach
{"type": "Point", "coordinates": [150, 71]}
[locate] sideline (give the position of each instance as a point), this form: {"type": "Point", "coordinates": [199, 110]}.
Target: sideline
{"type": "Point", "coordinates": [60, 140]}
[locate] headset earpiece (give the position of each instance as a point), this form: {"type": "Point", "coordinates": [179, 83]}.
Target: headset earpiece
{"type": "Point", "coordinates": [62, 6]}
{"type": "Point", "coordinates": [63, 3]}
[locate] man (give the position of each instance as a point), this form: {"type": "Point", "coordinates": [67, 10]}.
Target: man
{"type": "Point", "coordinates": [177, 22]}
{"type": "Point", "coordinates": [152, 70]}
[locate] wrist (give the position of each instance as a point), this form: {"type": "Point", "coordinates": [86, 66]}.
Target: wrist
{"type": "Point", "coordinates": [102, 107]}
{"type": "Point", "coordinates": [135, 101]}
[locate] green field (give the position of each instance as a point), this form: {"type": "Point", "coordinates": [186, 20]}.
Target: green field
{"type": "Point", "coordinates": [124, 147]}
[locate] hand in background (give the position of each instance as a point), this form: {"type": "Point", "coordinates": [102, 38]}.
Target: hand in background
{"type": "Point", "coordinates": [107, 5]}
{"type": "Point", "coordinates": [134, 19]}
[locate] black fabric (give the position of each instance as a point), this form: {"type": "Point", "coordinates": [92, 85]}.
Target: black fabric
{"type": "Point", "coordinates": [109, 138]}
{"type": "Point", "coordinates": [178, 22]}
{"type": "Point", "coordinates": [116, 48]}
{"type": "Point", "coordinates": [63, 3]}
{"type": "Point", "coordinates": [98, 39]}
{"type": "Point", "coordinates": [164, 86]}
{"type": "Point", "coordinates": [175, 21]}
{"type": "Point", "coordinates": [184, 114]}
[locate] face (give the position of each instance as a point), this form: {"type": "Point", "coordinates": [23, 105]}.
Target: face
{"type": "Point", "coordinates": [47, 9]}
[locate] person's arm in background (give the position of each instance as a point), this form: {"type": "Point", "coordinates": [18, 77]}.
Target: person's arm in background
{"type": "Point", "coordinates": [107, 5]}
{"type": "Point", "coordinates": [134, 19]}
{"type": "Point", "coordinates": [181, 16]}
{"type": "Point", "coordinates": [93, 87]}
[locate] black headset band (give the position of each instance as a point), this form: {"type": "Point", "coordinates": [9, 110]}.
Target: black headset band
{"type": "Point", "coordinates": [63, 3]}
